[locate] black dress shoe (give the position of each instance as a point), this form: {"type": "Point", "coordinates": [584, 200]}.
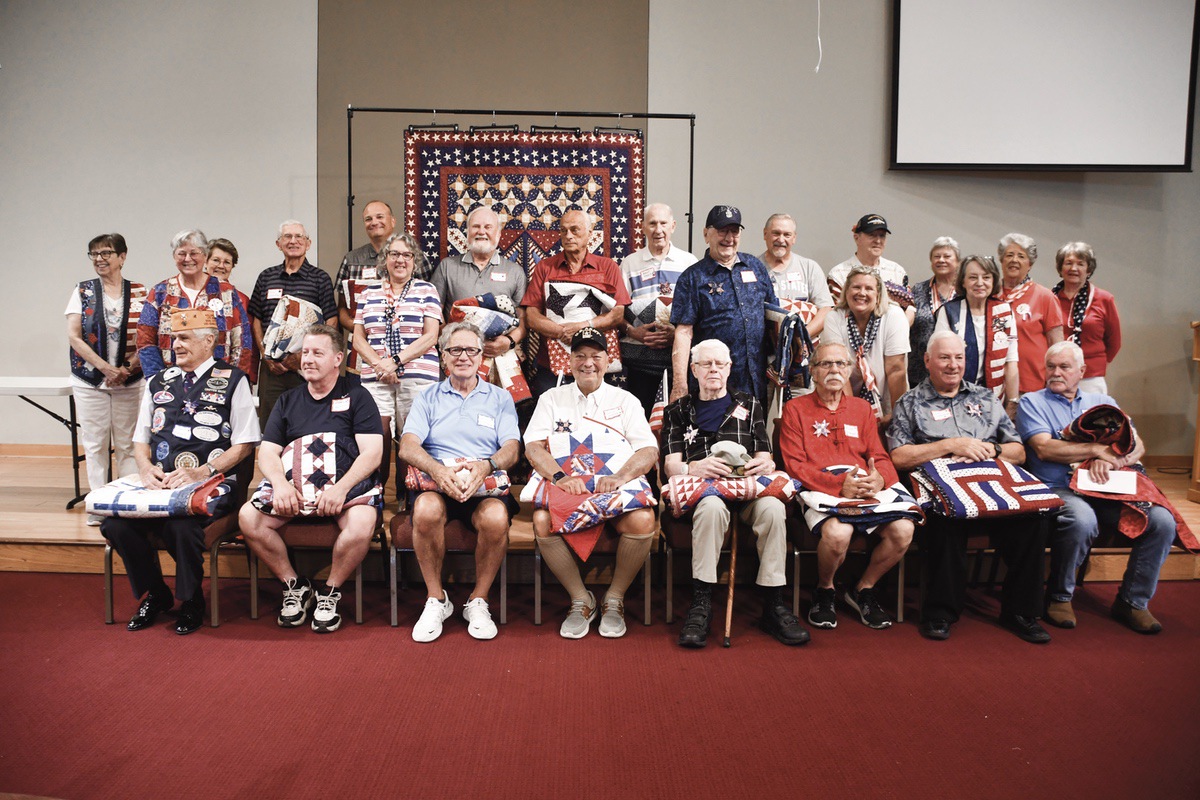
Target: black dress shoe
{"type": "Point", "coordinates": [695, 625]}
{"type": "Point", "coordinates": [779, 621]}
{"type": "Point", "coordinates": [149, 609]}
{"type": "Point", "coordinates": [935, 629]}
{"type": "Point", "coordinates": [1027, 628]}
{"type": "Point", "coordinates": [191, 617]}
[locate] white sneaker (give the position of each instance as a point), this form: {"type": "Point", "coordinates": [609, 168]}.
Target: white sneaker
{"type": "Point", "coordinates": [94, 520]}
{"type": "Point", "coordinates": [612, 623]}
{"type": "Point", "coordinates": [479, 619]}
{"type": "Point", "coordinates": [429, 626]}
{"type": "Point", "coordinates": [579, 618]}
{"type": "Point", "coordinates": [325, 618]}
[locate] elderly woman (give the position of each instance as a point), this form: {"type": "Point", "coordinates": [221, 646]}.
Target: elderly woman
{"type": "Point", "coordinates": [395, 335]}
{"type": "Point", "coordinates": [876, 334]}
{"type": "Point", "coordinates": [222, 258]}
{"type": "Point", "coordinates": [191, 288]}
{"type": "Point", "coordinates": [1039, 318]}
{"type": "Point", "coordinates": [106, 376]}
{"type": "Point", "coordinates": [1089, 313]}
{"type": "Point", "coordinates": [463, 417]}
{"type": "Point", "coordinates": [928, 296]}
{"type": "Point", "coordinates": [986, 324]}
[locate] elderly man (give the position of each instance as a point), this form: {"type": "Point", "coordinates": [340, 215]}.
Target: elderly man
{"type": "Point", "coordinates": [573, 265]}
{"type": "Point", "coordinates": [295, 277]}
{"type": "Point", "coordinates": [650, 276]}
{"type": "Point", "coordinates": [462, 418]}
{"type": "Point", "coordinates": [691, 426]}
{"type": "Point", "coordinates": [794, 276]}
{"type": "Point", "coordinates": [870, 237]}
{"type": "Point", "coordinates": [482, 270]}
{"type": "Point", "coordinates": [591, 407]}
{"type": "Point", "coordinates": [828, 428]}
{"type": "Point", "coordinates": [325, 404]}
{"type": "Point", "coordinates": [362, 264]}
{"type": "Point", "coordinates": [723, 296]}
{"type": "Point", "coordinates": [1041, 418]}
{"type": "Point", "coordinates": [196, 419]}
{"type": "Point", "coordinates": [945, 417]}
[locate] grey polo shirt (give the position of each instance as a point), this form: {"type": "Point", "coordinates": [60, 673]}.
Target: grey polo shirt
{"type": "Point", "coordinates": [456, 277]}
{"type": "Point", "coordinates": [922, 416]}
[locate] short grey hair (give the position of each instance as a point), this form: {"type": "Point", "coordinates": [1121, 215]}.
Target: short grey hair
{"type": "Point", "coordinates": [201, 332]}
{"type": "Point", "coordinates": [711, 344]}
{"type": "Point", "coordinates": [477, 209]}
{"type": "Point", "coordinates": [410, 241]}
{"type": "Point", "coordinates": [826, 346]}
{"type": "Point", "coordinates": [778, 215]}
{"type": "Point", "coordinates": [653, 206]}
{"type": "Point", "coordinates": [1079, 250]}
{"type": "Point", "coordinates": [1022, 241]}
{"type": "Point", "coordinates": [455, 327]}
{"type": "Point", "coordinates": [287, 222]}
{"type": "Point", "coordinates": [943, 334]}
{"type": "Point", "coordinates": [191, 236]}
{"type": "Point", "coordinates": [945, 241]}
{"type": "Point", "coordinates": [1066, 345]}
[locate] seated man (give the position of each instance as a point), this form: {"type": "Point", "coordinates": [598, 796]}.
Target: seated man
{"type": "Point", "coordinates": [324, 407]}
{"type": "Point", "coordinates": [1041, 418]}
{"type": "Point", "coordinates": [197, 419]}
{"type": "Point", "coordinates": [943, 417]}
{"type": "Point", "coordinates": [691, 426]}
{"type": "Point", "coordinates": [831, 428]}
{"type": "Point", "coordinates": [589, 407]}
{"type": "Point", "coordinates": [462, 417]}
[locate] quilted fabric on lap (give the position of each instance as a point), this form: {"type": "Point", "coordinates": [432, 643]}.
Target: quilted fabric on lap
{"type": "Point", "coordinates": [972, 489]}
{"type": "Point", "coordinates": [126, 497]}
{"type": "Point", "coordinates": [683, 492]}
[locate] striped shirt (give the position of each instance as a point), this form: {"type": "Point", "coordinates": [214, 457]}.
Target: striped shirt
{"type": "Point", "coordinates": [406, 313]}
{"type": "Point", "coordinates": [647, 278]}
{"type": "Point", "coordinates": [307, 283]}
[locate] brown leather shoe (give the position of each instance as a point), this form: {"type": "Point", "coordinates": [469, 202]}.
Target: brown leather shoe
{"type": "Point", "coordinates": [1139, 620]}
{"type": "Point", "coordinates": [1060, 615]}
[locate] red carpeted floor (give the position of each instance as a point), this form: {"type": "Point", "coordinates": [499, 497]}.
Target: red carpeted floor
{"type": "Point", "coordinates": [249, 710]}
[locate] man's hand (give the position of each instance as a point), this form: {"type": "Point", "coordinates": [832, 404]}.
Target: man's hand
{"type": "Point", "coordinates": [856, 485]}
{"type": "Point", "coordinates": [659, 337]}
{"type": "Point", "coordinates": [285, 500]}
{"type": "Point", "coordinates": [759, 465]}
{"type": "Point", "coordinates": [276, 367]}
{"type": "Point", "coordinates": [446, 481]}
{"type": "Point", "coordinates": [874, 478]}
{"type": "Point", "coordinates": [1104, 461]}
{"type": "Point", "coordinates": [291, 362]}
{"type": "Point", "coordinates": [330, 503]}
{"type": "Point", "coordinates": [185, 476]}
{"type": "Point", "coordinates": [496, 347]}
{"type": "Point", "coordinates": [964, 448]}
{"type": "Point", "coordinates": [709, 468]}
{"type": "Point", "coordinates": [572, 484]}
{"type": "Point", "coordinates": [152, 477]}
{"type": "Point", "coordinates": [609, 483]}
{"type": "Point", "coordinates": [479, 470]}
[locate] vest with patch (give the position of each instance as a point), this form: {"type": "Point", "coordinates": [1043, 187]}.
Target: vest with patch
{"type": "Point", "coordinates": [187, 430]}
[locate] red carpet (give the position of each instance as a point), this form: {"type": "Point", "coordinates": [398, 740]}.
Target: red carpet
{"type": "Point", "coordinates": [249, 710]}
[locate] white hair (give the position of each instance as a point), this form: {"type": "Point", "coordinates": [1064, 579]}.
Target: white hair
{"type": "Point", "coordinates": [1022, 241]}
{"type": "Point", "coordinates": [711, 344]}
{"type": "Point", "coordinates": [1067, 345]}
{"type": "Point", "coordinates": [944, 334]}
{"type": "Point", "coordinates": [655, 207]}
{"type": "Point", "coordinates": [191, 236]}
{"type": "Point", "coordinates": [287, 222]}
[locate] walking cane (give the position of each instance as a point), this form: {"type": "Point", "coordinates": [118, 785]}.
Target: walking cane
{"type": "Point", "coordinates": [732, 575]}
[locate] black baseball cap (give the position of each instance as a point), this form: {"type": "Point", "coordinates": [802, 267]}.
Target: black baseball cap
{"type": "Point", "coordinates": [871, 223]}
{"type": "Point", "coordinates": [590, 337]}
{"type": "Point", "coordinates": [723, 217]}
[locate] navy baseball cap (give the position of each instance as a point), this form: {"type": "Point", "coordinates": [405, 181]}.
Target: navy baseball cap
{"type": "Point", "coordinates": [589, 337]}
{"type": "Point", "coordinates": [871, 223]}
{"type": "Point", "coordinates": [723, 217]}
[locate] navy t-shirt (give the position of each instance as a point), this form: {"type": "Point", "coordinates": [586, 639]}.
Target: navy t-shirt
{"type": "Point", "coordinates": [347, 410]}
{"type": "Point", "coordinates": [709, 413]}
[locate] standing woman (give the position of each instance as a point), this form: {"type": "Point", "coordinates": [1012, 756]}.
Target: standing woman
{"type": "Point", "coordinates": [987, 326]}
{"type": "Point", "coordinates": [928, 296]}
{"type": "Point", "coordinates": [222, 258]}
{"type": "Point", "coordinates": [396, 328]}
{"type": "Point", "coordinates": [1038, 315]}
{"type": "Point", "coordinates": [106, 376]}
{"type": "Point", "coordinates": [875, 331]}
{"type": "Point", "coordinates": [1089, 314]}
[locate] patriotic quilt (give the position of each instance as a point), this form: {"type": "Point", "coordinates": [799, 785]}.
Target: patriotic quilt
{"type": "Point", "coordinates": [1103, 424]}
{"type": "Point", "coordinates": [569, 301]}
{"type": "Point", "coordinates": [684, 492]}
{"type": "Point", "coordinates": [973, 489]}
{"type": "Point", "coordinates": [529, 180]}
{"type": "Point", "coordinates": [495, 315]}
{"type": "Point", "coordinates": [789, 321]}
{"type": "Point", "coordinates": [285, 332]}
{"type": "Point", "coordinates": [580, 518]}
{"type": "Point", "coordinates": [494, 485]}
{"type": "Point", "coordinates": [891, 503]}
{"type": "Point", "coordinates": [126, 497]}
{"type": "Point", "coordinates": [310, 464]}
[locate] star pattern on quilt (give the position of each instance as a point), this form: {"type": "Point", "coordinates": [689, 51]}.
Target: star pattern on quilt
{"type": "Point", "coordinates": [821, 428]}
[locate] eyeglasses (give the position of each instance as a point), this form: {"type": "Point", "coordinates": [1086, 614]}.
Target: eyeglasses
{"type": "Point", "coordinates": [707, 365]}
{"type": "Point", "coordinates": [455, 352]}
{"type": "Point", "coordinates": [832, 364]}
{"type": "Point", "coordinates": [289, 237]}
{"type": "Point", "coordinates": [396, 255]}
{"type": "Point", "coordinates": [104, 254]}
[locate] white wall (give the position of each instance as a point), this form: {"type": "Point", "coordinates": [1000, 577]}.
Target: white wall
{"type": "Point", "coordinates": [142, 117]}
{"type": "Point", "coordinates": [772, 135]}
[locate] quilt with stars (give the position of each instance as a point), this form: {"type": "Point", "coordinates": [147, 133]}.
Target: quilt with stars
{"type": "Point", "coordinates": [580, 518]}
{"type": "Point", "coordinates": [285, 330]}
{"type": "Point", "coordinates": [973, 489]}
{"type": "Point", "coordinates": [127, 498]}
{"type": "Point", "coordinates": [310, 464]}
{"type": "Point", "coordinates": [683, 492]}
{"type": "Point", "coordinates": [495, 315]}
{"type": "Point", "coordinates": [529, 180]}
{"type": "Point", "coordinates": [570, 301]}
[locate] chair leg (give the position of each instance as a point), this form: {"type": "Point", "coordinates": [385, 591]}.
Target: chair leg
{"type": "Point", "coordinates": [669, 556]}
{"type": "Point", "coordinates": [392, 586]}
{"type": "Point", "coordinates": [795, 581]}
{"type": "Point", "coordinates": [358, 592]}
{"type": "Point", "coordinates": [108, 582]}
{"type": "Point", "coordinates": [646, 590]}
{"type": "Point", "coordinates": [214, 586]}
{"type": "Point", "coordinates": [537, 584]}
{"type": "Point", "coordinates": [900, 590]}
{"type": "Point", "coordinates": [504, 590]}
{"type": "Point", "coordinates": [253, 584]}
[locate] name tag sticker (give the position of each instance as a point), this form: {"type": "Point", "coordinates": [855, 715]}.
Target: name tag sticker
{"type": "Point", "coordinates": [851, 431]}
{"type": "Point", "coordinates": [940, 414]}
{"type": "Point", "coordinates": [486, 421]}
{"type": "Point", "coordinates": [648, 274]}
{"type": "Point", "coordinates": [612, 413]}
{"type": "Point", "coordinates": [370, 273]}
{"type": "Point", "coordinates": [739, 413]}
{"type": "Point", "coordinates": [340, 404]}
{"type": "Point", "coordinates": [181, 432]}
{"type": "Point", "coordinates": [749, 277]}
{"type": "Point", "coordinates": [499, 276]}
{"type": "Point", "coordinates": [274, 294]}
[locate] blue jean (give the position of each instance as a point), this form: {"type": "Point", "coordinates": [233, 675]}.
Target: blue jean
{"type": "Point", "coordinates": [1079, 523]}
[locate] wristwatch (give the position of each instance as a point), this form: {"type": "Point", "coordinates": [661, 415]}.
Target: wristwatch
{"type": "Point", "coordinates": [511, 341]}
{"type": "Point", "coordinates": [685, 468]}
{"type": "Point", "coordinates": [211, 469]}
{"type": "Point", "coordinates": [491, 462]}
{"type": "Point", "coordinates": [558, 476]}
{"type": "Point", "coordinates": [996, 445]}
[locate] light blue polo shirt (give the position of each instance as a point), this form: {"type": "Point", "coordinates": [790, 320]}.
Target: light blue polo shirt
{"type": "Point", "coordinates": [452, 426]}
{"type": "Point", "coordinates": [1047, 412]}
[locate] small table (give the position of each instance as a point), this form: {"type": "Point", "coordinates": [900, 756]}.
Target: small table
{"type": "Point", "coordinates": [22, 387]}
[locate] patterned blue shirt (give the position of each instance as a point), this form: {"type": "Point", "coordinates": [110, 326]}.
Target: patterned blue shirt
{"type": "Point", "coordinates": [728, 304]}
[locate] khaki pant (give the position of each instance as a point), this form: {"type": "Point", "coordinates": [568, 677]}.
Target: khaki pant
{"type": "Point", "coordinates": [765, 516]}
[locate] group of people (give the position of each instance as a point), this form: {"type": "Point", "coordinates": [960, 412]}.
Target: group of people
{"type": "Point", "coordinates": [884, 377]}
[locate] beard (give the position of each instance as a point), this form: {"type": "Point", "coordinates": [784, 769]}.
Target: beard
{"type": "Point", "coordinates": [481, 247]}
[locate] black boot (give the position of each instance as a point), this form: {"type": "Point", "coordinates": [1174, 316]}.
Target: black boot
{"type": "Point", "coordinates": [778, 620]}
{"type": "Point", "coordinates": [695, 624]}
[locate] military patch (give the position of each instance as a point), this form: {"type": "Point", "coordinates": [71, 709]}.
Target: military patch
{"type": "Point", "coordinates": [187, 461]}
{"type": "Point", "coordinates": [212, 397]}
{"type": "Point", "coordinates": [222, 373]}
{"type": "Point", "coordinates": [189, 406]}
{"type": "Point", "coordinates": [164, 397]}
{"type": "Point", "coordinates": [226, 431]}
{"type": "Point", "coordinates": [208, 418]}
{"type": "Point", "coordinates": [215, 454]}
{"type": "Point", "coordinates": [158, 420]}
{"type": "Point", "coordinates": [205, 434]}
{"type": "Point", "coordinates": [218, 384]}
{"type": "Point", "coordinates": [171, 372]}
{"type": "Point", "coordinates": [162, 450]}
